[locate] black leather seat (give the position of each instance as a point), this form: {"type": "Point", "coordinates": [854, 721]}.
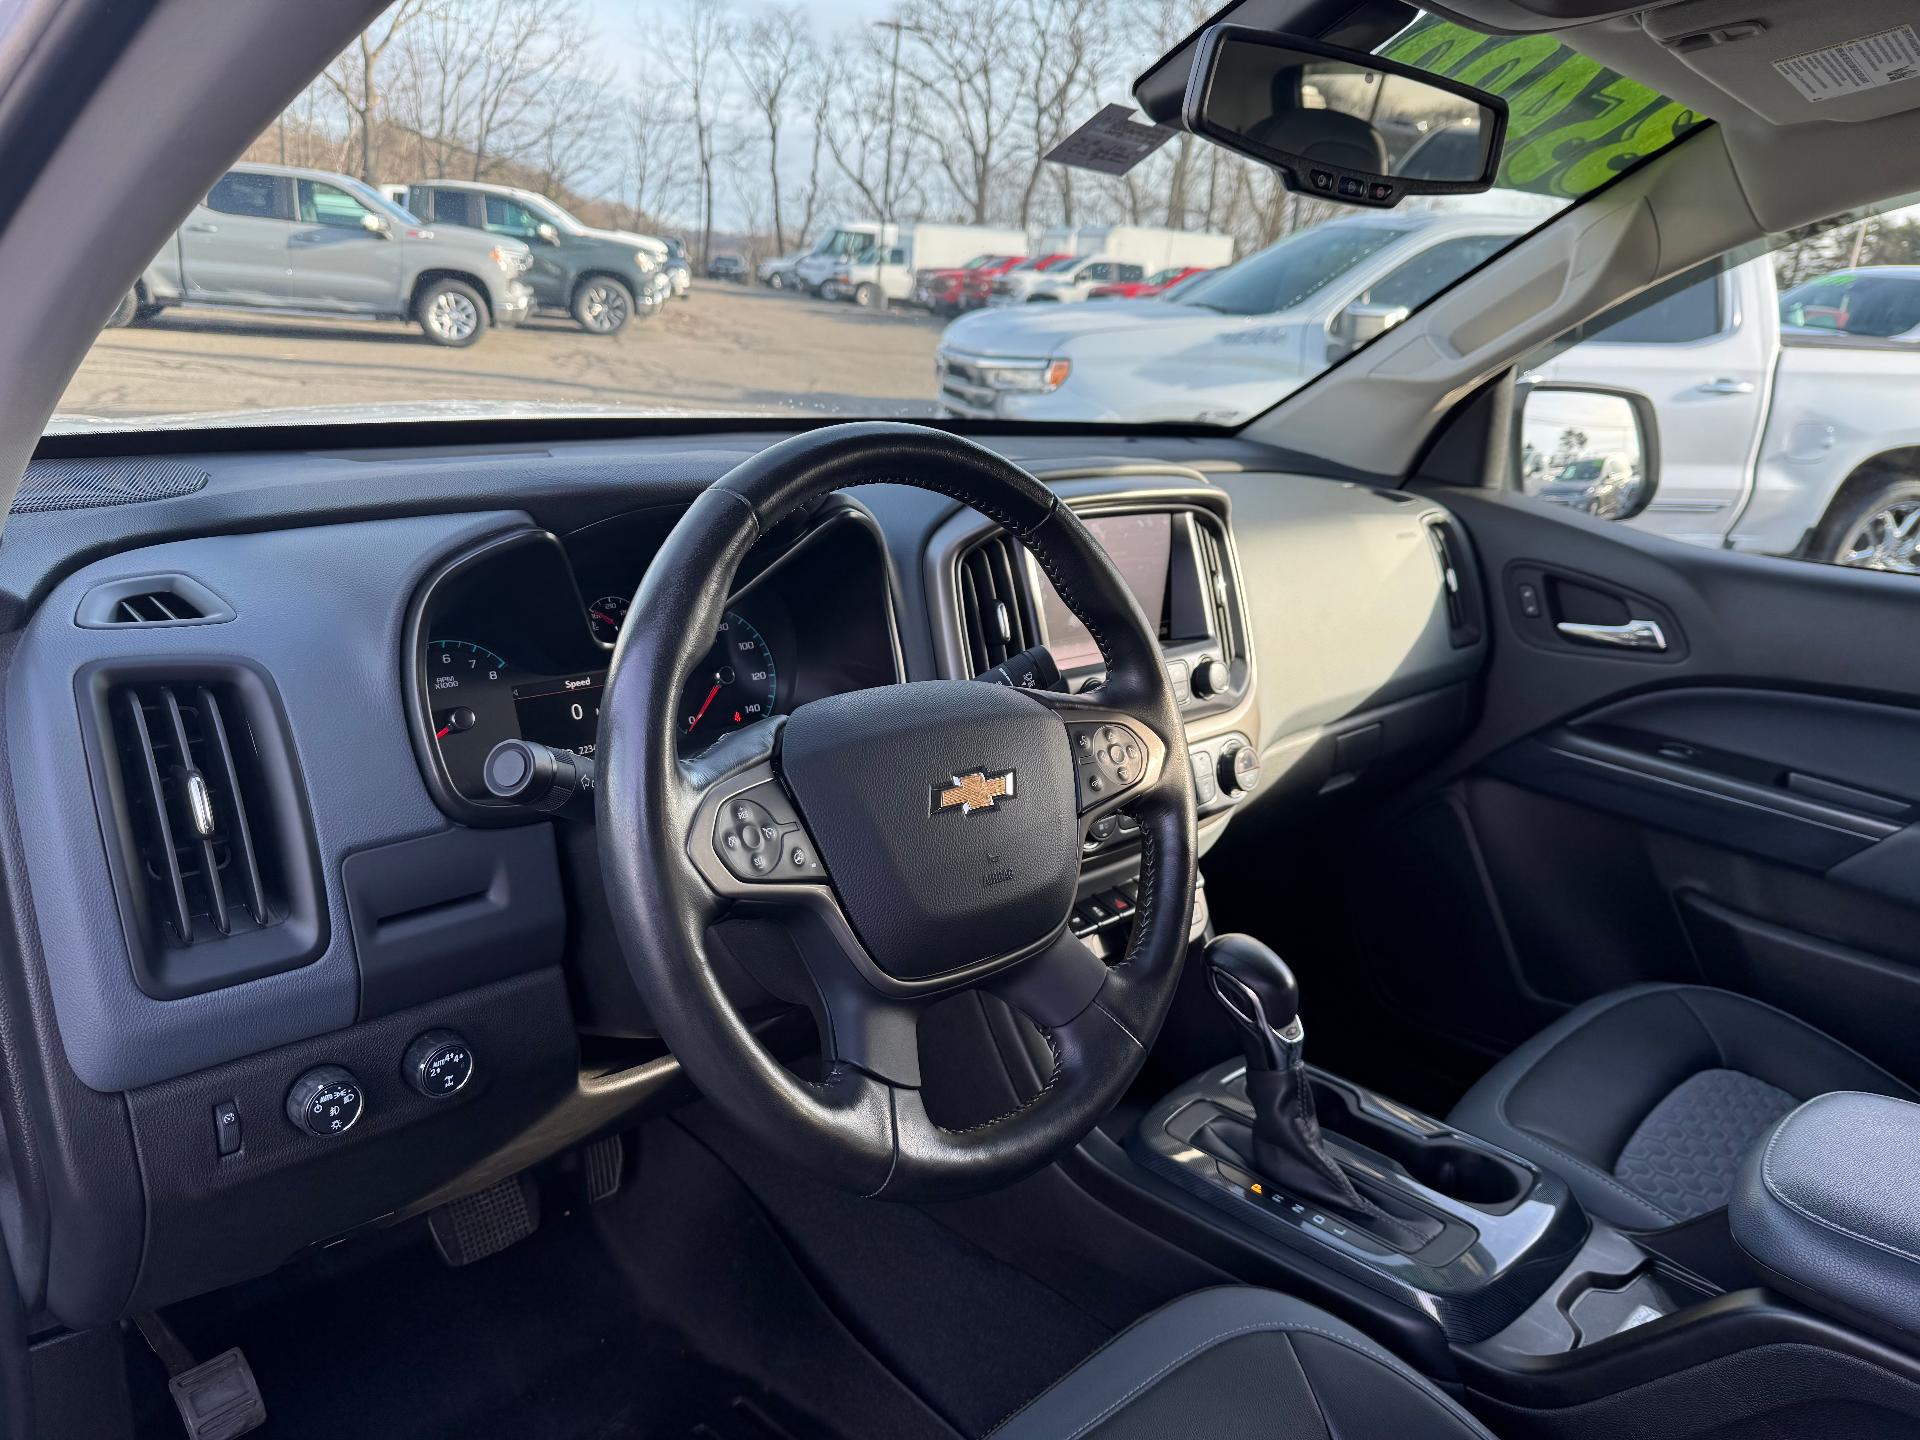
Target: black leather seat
{"type": "Point", "coordinates": [1647, 1100]}
{"type": "Point", "coordinates": [1241, 1364]}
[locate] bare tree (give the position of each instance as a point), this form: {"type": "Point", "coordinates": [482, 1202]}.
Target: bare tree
{"type": "Point", "coordinates": [1067, 41]}
{"type": "Point", "coordinates": [773, 58]}
{"type": "Point", "coordinates": [694, 47]}
{"type": "Point", "coordinates": [653, 168]}
{"type": "Point", "coordinates": [873, 124]}
{"type": "Point", "coordinates": [969, 82]}
{"type": "Point", "coordinates": [571, 138]}
{"type": "Point", "coordinates": [356, 76]}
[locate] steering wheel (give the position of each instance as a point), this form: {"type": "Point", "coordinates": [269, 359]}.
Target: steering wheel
{"type": "Point", "coordinates": [914, 840]}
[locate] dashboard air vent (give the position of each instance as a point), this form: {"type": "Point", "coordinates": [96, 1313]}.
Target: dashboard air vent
{"type": "Point", "coordinates": [188, 808]}
{"type": "Point", "coordinates": [154, 607]}
{"type": "Point", "coordinates": [1457, 584]}
{"type": "Point", "coordinates": [996, 612]}
{"type": "Point", "coordinates": [1219, 587]}
{"type": "Point", "coordinates": [151, 600]}
{"type": "Point", "coordinates": [209, 842]}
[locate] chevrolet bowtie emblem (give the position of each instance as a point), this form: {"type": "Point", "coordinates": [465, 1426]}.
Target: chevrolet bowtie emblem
{"type": "Point", "coordinates": [971, 792]}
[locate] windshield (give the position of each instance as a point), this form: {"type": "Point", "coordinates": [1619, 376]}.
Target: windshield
{"type": "Point", "coordinates": [811, 133]}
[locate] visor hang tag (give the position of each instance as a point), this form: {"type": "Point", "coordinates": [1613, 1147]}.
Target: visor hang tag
{"type": "Point", "coordinates": [1111, 143]}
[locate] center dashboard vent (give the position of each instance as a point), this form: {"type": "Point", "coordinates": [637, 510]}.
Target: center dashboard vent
{"type": "Point", "coordinates": [996, 610]}
{"type": "Point", "coordinates": [212, 855]}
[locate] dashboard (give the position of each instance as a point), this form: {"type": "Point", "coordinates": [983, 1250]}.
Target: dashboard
{"type": "Point", "coordinates": [359, 628]}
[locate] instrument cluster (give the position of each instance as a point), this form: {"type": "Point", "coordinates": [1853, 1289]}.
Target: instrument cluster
{"type": "Point", "coordinates": [510, 646]}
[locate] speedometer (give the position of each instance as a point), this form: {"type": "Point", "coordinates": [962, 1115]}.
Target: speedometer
{"type": "Point", "coordinates": [734, 685]}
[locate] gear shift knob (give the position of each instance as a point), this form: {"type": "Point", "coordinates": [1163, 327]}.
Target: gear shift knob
{"type": "Point", "coordinates": [1260, 993]}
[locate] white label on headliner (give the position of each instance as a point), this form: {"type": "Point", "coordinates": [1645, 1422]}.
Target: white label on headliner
{"type": "Point", "coordinates": [1863, 64]}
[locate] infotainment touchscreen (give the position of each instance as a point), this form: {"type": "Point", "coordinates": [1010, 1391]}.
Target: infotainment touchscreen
{"type": "Point", "coordinates": [1142, 549]}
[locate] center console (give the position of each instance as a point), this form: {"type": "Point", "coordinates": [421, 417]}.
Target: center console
{"type": "Point", "coordinates": [1434, 1219]}
{"type": "Point", "coordinates": [1790, 1314]}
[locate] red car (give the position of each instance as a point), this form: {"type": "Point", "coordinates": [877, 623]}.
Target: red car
{"type": "Point", "coordinates": [1157, 283]}
{"type": "Point", "coordinates": [948, 292]}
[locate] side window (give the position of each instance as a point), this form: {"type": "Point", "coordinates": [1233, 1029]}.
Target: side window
{"type": "Point", "coordinates": [324, 204]}
{"type": "Point", "coordinates": [238, 193]}
{"type": "Point", "coordinates": [1763, 401]}
{"type": "Point", "coordinates": [1675, 314]}
{"type": "Point", "coordinates": [1433, 269]}
{"type": "Point", "coordinates": [1131, 272]}
{"type": "Point", "coordinates": [510, 217]}
{"type": "Point", "coordinates": [896, 256]}
{"type": "Point", "coordinates": [1102, 271]}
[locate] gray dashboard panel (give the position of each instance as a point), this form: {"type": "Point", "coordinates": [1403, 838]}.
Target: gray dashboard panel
{"type": "Point", "coordinates": [322, 610]}
{"type": "Point", "coordinates": [1345, 597]}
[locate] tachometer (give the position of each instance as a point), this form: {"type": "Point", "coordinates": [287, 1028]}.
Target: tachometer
{"type": "Point", "coordinates": [733, 686]}
{"type": "Point", "coordinates": [606, 615]}
{"type": "Point", "coordinates": [470, 706]}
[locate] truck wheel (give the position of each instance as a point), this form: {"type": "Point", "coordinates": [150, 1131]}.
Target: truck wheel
{"type": "Point", "coordinates": [451, 313]}
{"type": "Point", "coordinates": [1878, 530]}
{"type": "Point", "coordinates": [867, 296]}
{"type": "Point", "coordinates": [602, 305]}
{"type": "Point", "coordinates": [776, 281]}
{"type": "Point", "coordinates": [126, 312]}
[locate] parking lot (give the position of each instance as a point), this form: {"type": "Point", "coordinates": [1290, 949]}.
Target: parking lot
{"type": "Point", "coordinates": [724, 348]}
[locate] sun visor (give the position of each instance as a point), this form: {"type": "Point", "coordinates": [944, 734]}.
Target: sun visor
{"type": "Point", "coordinates": [1790, 62]}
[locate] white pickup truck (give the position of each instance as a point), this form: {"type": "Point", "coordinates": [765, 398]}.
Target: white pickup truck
{"type": "Point", "coordinates": [1782, 439]}
{"type": "Point", "coordinates": [1801, 439]}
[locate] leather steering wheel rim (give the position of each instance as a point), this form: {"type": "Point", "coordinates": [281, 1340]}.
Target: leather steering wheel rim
{"type": "Point", "coordinates": [860, 1127]}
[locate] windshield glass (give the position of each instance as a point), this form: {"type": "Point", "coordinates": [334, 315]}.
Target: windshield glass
{"type": "Point", "coordinates": [910, 132]}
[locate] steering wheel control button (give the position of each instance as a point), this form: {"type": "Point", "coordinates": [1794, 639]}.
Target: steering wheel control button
{"type": "Point", "coordinates": [438, 1064]}
{"type": "Point", "coordinates": [226, 1127]}
{"type": "Point", "coordinates": [758, 837]}
{"type": "Point", "coordinates": [1108, 758]}
{"type": "Point", "coordinates": [326, 1101]}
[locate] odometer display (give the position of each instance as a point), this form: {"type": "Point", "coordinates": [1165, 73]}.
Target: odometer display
{"type": "Point", "coordinates": [734, 685]}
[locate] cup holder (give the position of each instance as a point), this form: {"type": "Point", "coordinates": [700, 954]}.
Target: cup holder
{"type": "Point", "coordinates": [1442, 1163]}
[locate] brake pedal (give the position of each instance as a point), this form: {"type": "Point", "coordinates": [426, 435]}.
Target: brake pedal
{"type": "Point", "coordinates": [487, 1222]}
{"type": "Point", "coordinates": [218, 1398]}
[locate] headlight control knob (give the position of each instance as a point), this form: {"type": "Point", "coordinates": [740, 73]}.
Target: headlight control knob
{"type": "Point", "coordinates": [438, 1064]}
{"type": "Point", "coordinates": [325, 1101]}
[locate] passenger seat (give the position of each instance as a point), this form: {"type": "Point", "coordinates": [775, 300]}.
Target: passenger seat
{"type": "Point", "coordinates": [1646, 1100]}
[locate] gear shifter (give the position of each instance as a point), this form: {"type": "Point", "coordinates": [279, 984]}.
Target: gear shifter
{"type": "Point", "coordinates": [1260, 994]}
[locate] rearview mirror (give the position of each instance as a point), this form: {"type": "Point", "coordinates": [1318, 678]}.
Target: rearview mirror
{"type": "Point", "coordinates": [1342, 124]}
{"type": "Point", "coordinates": [375, 224]}
{"type": "Point", "coordinates": [1589, 449]}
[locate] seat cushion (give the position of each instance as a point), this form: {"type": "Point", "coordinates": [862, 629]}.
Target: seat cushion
{"type": "Point", "coordinates": [1240, 1364]}
{"type": "Point", "coordinates": [1646, 1101]}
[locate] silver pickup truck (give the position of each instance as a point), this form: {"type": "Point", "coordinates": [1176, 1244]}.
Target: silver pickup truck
{"type": "Point", "coordinates": [310, 242]}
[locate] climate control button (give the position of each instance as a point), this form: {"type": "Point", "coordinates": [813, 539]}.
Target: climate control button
{"type": "Point", "coordinates": [326, 1101]}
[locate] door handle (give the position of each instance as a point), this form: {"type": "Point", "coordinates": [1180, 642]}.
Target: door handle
{"type": "Point", "coordinates": [204, 229]}
{"type": "Point", "coordinates": [1726, 386]}
{"type": "Point", "coordinates": [1632, 635]}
